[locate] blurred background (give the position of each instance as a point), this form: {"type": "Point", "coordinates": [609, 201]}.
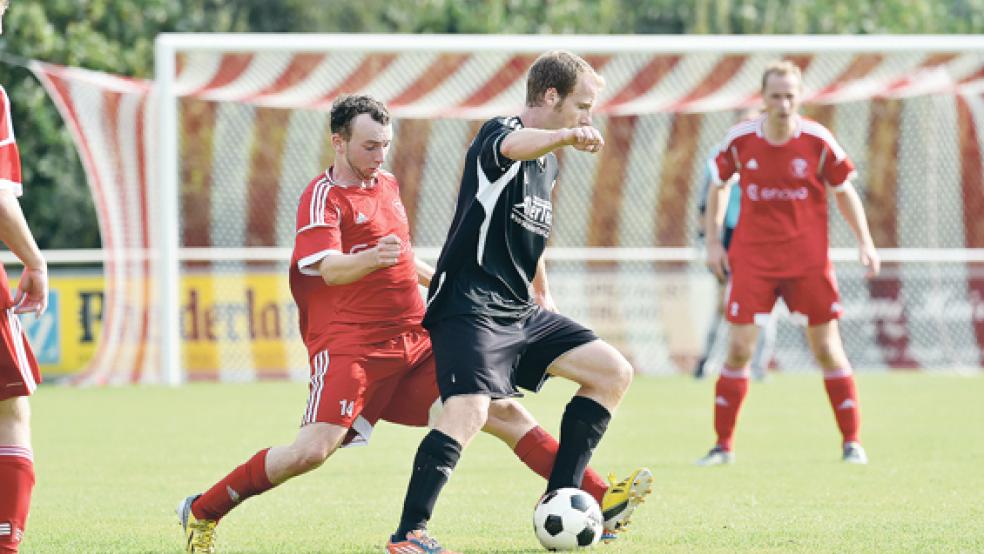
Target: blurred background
{"type": "Point", "coordinates": [251, 132]}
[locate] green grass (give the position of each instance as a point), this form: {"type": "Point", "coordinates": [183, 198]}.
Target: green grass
{"type": "Point", "coordinates": [113, 462]}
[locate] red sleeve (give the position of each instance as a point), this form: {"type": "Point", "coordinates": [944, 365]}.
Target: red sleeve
{"type": "Point", "coordinates": [318, 228]}
{"type": "Point", "coordinates": [725, 165]}
{"type": "Point", "coordinates": [10, 168]}
{"type": "Point", "coordinates": [837, 167]}
{"type": "Point", "coordinates": [834, 167]}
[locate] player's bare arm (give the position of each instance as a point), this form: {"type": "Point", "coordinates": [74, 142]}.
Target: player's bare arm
{"type": "Point", "coordinates": [849, 204]}
{"type": "Point", "coordinates": [425, 271]}
{"type": "Point", "coordinates": [716, 255]}
{"type": "Point", "coordinates": [530, 143]}
{"type": "Point", "coordinates": [541, 289]}
{"type": "Point", "coordinates": [32, 290]}
{"type": "Point", "coordinates": [342, 269]}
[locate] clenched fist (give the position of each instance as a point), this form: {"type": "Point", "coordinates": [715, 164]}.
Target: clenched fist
{"type": "Point", "coordinates": [387, 251]}
{"type": "Point", "coordinates": [585, 139]}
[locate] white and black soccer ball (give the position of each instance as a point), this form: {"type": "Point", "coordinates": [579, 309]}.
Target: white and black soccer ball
{"type": "Point", "coordinates": [568, 519]}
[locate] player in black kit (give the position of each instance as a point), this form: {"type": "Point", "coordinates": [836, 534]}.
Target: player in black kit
{"type": "Point", "coordinates": [492, 321]}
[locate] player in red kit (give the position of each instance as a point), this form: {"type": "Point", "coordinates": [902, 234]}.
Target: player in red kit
{"type": "Point", "coordinates": [786, 165]}
{"type": "Point", "coordinates": [19, 374]}
{"type": "Point", "coordinates": [355, 280]}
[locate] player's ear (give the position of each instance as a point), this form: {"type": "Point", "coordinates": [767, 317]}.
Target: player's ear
{"type": "Point", "coordinates": [551, 97]}
{"type": "Point", "coordinates": [338, 143]}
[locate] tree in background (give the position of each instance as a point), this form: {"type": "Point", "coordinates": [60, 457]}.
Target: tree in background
{"type": "Point", "coordinates": [118, 36]}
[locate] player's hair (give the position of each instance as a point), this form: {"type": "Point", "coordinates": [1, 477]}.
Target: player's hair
{"type": "Point", "coordinates": [557, 69]}
{"type": "Point", "coordinates": [781, 67]}
{"type": "Point", "coordinates": [346, 108]}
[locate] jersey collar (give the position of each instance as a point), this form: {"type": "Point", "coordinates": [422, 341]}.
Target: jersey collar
{"type": "Point", "coordinates": [760, 128]}
{"type": "Point", "coordinates": [364, 185]}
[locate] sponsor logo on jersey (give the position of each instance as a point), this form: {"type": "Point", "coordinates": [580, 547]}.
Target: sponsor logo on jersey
{"type": "Point", "coordinates": [798, 167]}
{"type": "Point", "coordinates": [757, 193]}
{"type": "Point", "coordinates": [534, 214]}
{"type": "Point", "coordinates": [752, 164]}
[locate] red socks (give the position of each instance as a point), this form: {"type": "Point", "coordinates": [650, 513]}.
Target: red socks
{"type": "Point", "coordinates": [843, 396]}
{"type": "Point", "coordinates": [729, 393]}
{"type": "Point", "coordinates": [16, 482]}
{"type": "Point", "coordinates": [538, 449]}
{"type": "Point", "coordinates": [245, 481]}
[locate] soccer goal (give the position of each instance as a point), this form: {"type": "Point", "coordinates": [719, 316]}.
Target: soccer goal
{"type": "Point", "coordinates": [238, 125]}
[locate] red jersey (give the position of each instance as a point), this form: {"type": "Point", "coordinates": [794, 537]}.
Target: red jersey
{"type": "Point", "coordinates": [782, 230]}
{"type": "Point", "coordinates": [10, 173]}
{"type": "Point", "coordinates": [331, 220]}
{"type": "Point", "coordinates": [10, 168]}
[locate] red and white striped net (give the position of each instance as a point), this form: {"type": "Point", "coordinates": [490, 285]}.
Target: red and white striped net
{"type": "Point", "coordinates": [254, 130]}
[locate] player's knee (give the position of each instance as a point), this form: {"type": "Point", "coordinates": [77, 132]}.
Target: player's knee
{"type": "Point", "coordinates": [15, 411]}
{"type": "Point", "coordinates": [614, 372]}
{"type": "Point", "coordinates": [464, 416]}
{"type": "Point", "coordinates": [508, 412]}
{"type": "Point", "coordinates": [311, 455]}
{"type": "Point", "coordinates": [508, 417]}
{"type": "Point", "coordinates": [827, 354]}
{"type": "Point", "coordinates": [739, 354]}
{"type": "Point", "coordinates": [622, 373]}
{"type": "Point", "coordinates": [311, 451]}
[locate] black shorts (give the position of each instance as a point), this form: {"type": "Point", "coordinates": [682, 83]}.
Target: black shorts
{"type": "Point", "coordinates": [479, 354]}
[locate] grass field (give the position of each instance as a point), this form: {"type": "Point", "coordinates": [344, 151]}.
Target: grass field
{"type": "Point", "coordinates": [113, 462]}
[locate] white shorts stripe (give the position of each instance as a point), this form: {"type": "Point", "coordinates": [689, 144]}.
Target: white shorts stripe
{"type": "Point", "coordinates": [320, 363]}
{"type": "Point", "coordinates": [17, 452]}
{"type": "Point", "coordinates": [315, 362]}
{"type": "Point", "coordinates": [20, 351]}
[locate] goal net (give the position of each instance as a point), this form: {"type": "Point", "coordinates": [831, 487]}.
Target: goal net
{"type": "Point", "coordinates": [238, 125]}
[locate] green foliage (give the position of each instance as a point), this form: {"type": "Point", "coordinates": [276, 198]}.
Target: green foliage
{"type": "Point", "coordinates": [118, 36]}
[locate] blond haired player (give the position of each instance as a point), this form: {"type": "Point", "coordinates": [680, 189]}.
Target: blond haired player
{"type": "Point", "coordinates": [787, 165]}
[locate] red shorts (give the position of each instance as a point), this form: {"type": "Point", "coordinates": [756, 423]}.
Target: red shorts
{"type": "Point", "coordinates": [814, 296]}
{"type": "Point", "coordinates": [19, 373]}
{"type": "Point", "coordinates": [393, 380]}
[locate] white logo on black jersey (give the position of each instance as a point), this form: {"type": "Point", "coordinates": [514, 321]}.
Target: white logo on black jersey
{"type": "Point", "coordinates": [535, 215]}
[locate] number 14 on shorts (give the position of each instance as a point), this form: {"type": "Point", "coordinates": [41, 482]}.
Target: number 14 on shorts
{"type": "Point", "coordinates": [347, 407]}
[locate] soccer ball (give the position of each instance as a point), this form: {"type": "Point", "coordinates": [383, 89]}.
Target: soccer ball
{"type": "Point", "coordinates": [567, 519]}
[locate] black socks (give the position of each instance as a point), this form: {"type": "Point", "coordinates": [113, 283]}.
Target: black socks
{"type": "Point", "coordinates": [432, 466]}
{"type": "Point", "coordinates": [581, 428]}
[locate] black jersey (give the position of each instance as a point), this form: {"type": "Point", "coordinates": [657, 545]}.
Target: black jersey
{"type": "Point", "coordinates": [500, 228]}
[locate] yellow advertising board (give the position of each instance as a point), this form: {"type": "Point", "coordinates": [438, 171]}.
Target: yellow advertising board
{"type": "Point", "coordinates": [243, 319]}
{"type": "Point", "coordinates": [65, 337]}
